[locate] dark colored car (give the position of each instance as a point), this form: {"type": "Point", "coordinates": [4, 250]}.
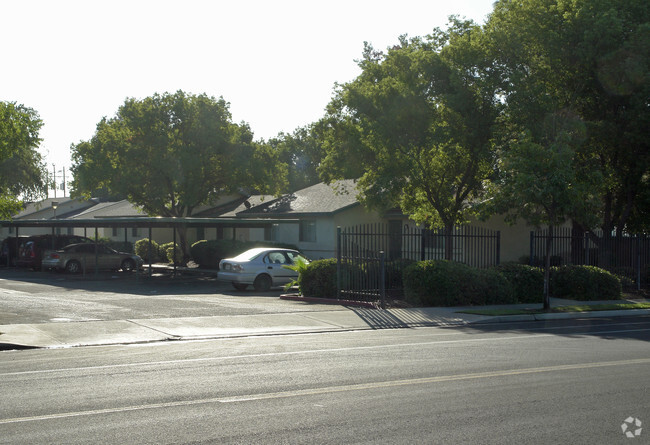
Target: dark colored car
{"type": "Point", "coordinates": [9, 250]}
{"type": "Point", "coordinates": [32, 248]}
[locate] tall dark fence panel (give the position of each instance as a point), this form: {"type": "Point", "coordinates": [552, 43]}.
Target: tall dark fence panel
{"type": "Point", "coordinates": [625, 255]}
{"type": "Point", "coordinates": [372, 257]}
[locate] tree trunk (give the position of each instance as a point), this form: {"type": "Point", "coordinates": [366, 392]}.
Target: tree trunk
{"type": "Point", "coordinates": [449, 242]}
{"type": "Point", "coordinates": [547, 268]}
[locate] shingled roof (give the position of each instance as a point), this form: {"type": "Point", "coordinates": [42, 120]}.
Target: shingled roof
{"type": "Point", "coordinates": [319, 199]}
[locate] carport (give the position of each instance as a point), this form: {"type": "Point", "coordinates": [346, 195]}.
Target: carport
{"type": "Point", "coordinates": [145, 222]}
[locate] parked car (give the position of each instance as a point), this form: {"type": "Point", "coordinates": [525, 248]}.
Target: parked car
{"type": "Point", "coordinates": [31, 249]}
{"type": "Point", "coordinates": [76, 258]}
{"type": "Point", "coordinates": [9, 250]}
{"type": "Point", "coordinates": [261, 267]}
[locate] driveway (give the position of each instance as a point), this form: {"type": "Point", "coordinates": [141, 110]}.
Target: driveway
{"type": "Point", "coordinates": [41, 297]}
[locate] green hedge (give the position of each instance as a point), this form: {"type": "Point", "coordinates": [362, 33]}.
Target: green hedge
{"type": "Point", "coordinates": [447, 283]}
{"type": "Point", "coordinates": [319, 279]}
{"type": "Point", "coordinates": [142, 250]}
{"type": "Point", "coordinates": [527, 281]}
{"type": "Point", "coordinates": [584, 283]}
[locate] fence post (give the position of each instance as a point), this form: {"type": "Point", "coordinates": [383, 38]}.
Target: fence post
{"type": "Point", "coordinates": [382, 275]}
{"type": "Point", "coordinates": [532, 248]}
{"type": "Point", "coordinates": [638, 262]}
{"type": "Point", "coordinates": [586, 248]}
{"type": "Point", "coordinates": [498, 247]}
{"type": "Point", "coordinates": [338, 262]}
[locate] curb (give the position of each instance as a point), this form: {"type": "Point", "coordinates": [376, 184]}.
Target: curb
{"type": "Point", "coordinates": [352, 303]}
{"type": "Point", "coordinates": [563, 316]}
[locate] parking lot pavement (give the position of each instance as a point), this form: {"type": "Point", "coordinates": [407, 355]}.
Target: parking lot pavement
{"type": "Point", "coordinates": [49, 311]}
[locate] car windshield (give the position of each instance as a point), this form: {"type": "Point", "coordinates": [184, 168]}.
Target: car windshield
{"type": "Point", "coordinates": [248, 255]}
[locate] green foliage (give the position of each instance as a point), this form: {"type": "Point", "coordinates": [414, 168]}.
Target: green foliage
{"type": "Point", "coordinates": [318, 280]}
{"type": "Point", "coordinates": [527, 281]}
{"type": "Point", "coordinates": [171, 252]}
{"type": "Point", "coordinates": [584, 283]}
{"type": "Point", "coordinates": [441, 283]}
{"type": "Point", "coordinates": [418, 126]}
{"type": "Point", "coordinates": [142, 250]}
{"type": "Point", "coordinates": [22, 170]}
{"type": "Point", "coordinates": [300, 266]}
{"type": "Point", "coordinates": [170, 153]}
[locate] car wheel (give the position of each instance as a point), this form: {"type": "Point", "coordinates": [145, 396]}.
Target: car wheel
{"type": "Point", "coordinates": [239, 286]}
{"type": "Point", "coordinates": [73, 267]}
{"type": "Point", "coordinates": [128, 265]}
{"type": "Point", "coordinates": [262, 282]}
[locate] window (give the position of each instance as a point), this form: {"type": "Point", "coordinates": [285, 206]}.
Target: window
{"type": "Point", "coordinates": [114, 231]}
{"type": "Point", "coordinates": [200, 233]}
{"type": "Point", "coordinates": [134, 232]}
{"type": "Point", "coordinates": [308, 231]}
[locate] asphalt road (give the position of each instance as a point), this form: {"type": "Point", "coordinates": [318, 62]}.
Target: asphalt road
{"type": "Point", "coordinates": [572, 381]}
{"type": "Point", "coordinates": [41, 297]}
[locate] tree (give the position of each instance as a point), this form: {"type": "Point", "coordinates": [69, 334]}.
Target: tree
{"type": "Point", "coordinates": [22, 171]}
{"type": "Point", "coordinates": [301, 151]}
{"type": "Point", "coordinates": [173, 152]}
{"type": "Point", "coordinates": [541, 182]}
{"type": "Point", "coordinates": [589, 59]}
{"type": "Point", "coordinates": [416, 127]}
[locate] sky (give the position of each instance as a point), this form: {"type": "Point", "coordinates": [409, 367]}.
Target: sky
{"type": "Point", "coordinates": [276, 61]}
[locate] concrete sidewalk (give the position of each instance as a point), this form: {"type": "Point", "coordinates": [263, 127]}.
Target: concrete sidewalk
{"type": "Point", "coordinates": [94, 333]}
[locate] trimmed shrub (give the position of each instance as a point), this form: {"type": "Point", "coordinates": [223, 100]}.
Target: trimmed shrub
{"type": "Point", "coordinates": [447, 283]}
{"type": "Point", "coordinates": [168, 250]}
{"type": "Point", "coordinates": [584, 283]}
{"type": "Point", "coordinates": [438, 283]}
{"type": "Point", "coordinates": [319, 279]}
{"type": "Point", "coordinates": [527, 281]}
{"type": "Point", "coordinates": [493, 288]}
{"type": "Point", "coordinates": [142, 250]}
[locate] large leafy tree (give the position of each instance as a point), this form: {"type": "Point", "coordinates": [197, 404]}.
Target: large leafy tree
{"type": "Point", "coordinates": [415, 127]}
{"type": "Point", "coordinates": [587, 59]}
{"type": "Point", "coordinates": [22, 170]}
{"type": "Point", "coordinates": [542, 181]}
{"type": "Point", "coordinates": [301, 151]}
{"type": "Point", "coordinates": [171, 153]}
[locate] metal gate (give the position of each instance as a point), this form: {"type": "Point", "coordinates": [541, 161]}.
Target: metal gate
{"type": "Point", "coordinates": [371, 257]}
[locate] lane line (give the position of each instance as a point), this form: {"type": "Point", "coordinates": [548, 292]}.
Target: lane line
{"type": "Point", "coordinates": [326, 390]}
{"type": "Point", "coordinates": [308, 351]}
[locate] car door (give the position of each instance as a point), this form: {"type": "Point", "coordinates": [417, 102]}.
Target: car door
{"type": "Point", "coordinates": [275, 262]}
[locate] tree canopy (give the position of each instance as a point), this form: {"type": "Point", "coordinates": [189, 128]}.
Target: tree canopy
{"type": "Point", "coordinates": [415, 127]}
{"type": "Point", "coordinates": [171, 153]}
{"type": "Point", "coordinates": [22, 170]}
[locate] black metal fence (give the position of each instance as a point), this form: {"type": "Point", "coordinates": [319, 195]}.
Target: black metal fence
{"type": "Point", "coordinates": [627, 256]}
{"type": "Point", "coordinates": [371, 257]}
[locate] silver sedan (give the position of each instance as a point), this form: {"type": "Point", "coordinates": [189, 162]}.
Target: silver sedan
{"type": "Point", "coordinates": [261, 267]}
{"type": "Point", "coordinates": [76, 258]}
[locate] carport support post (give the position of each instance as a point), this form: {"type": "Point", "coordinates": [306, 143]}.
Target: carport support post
{"type": "Point", "coordinates": [96, 252]}
{"type": "Point", "coordinates": [174, 252]}
{"type": "Point", "coordinates": [149, 253]}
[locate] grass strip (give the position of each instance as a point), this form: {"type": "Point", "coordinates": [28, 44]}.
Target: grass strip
{"type": "Point", "coordinates": [559, 309]}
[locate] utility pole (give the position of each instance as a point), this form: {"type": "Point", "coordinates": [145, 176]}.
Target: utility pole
{"type": "Point", "coordinates": [54, 171]}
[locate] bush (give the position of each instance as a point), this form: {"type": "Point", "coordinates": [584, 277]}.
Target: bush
{"type": "Point", "coordinates": [584, 283]}
{"type": "Point", "coordinates": [142, 250]}
{"type": "Point", "coordinates": [447, 283]}
{"type": "Point", "coordinates": [167, 253]}
{"type": "Point", "coordinates": [319, 279]}
{"type": "Point", "coordinates": [527, 282]}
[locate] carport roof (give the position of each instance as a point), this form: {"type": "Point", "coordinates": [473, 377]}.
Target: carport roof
{"type": "Point", "coordinates": [145, 221]}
